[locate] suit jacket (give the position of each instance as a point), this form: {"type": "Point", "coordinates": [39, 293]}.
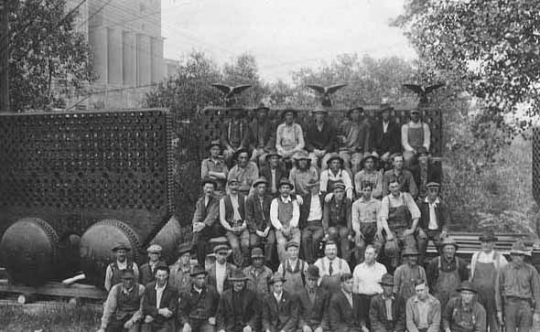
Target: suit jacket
{"type": "Point", "coordinates": [282, 316]}
{"type": "Point", "coordinates": [211, 277]}
{"type": "Point", "coordinates": [441, 211]}
{"type": "Point", "coordinates": [316, 313]}
{"type": "Point", "coordinates": [206, 214]}
{"type": "Point", "coordinates": [389, 142]}
{"type": "Point", "coordinates": [343, 317]}
{"type": "Point", "coordinates": [258, 218]}
{"type": "Point", "coordinates": [250, 311]}
{"type": "Point", "coordinates": [304, 209]}
{"type": "Point", "coordinates": [169, 299]}
{"type": "Point", "coordinates": [378, 318]}
{"type": "Point", "coordinates": [267, 130]}
{"type": "Point", "coordinates": [267, 173]}
{"type": "Point", "coordinates": [197, 307]}
{"type": "Point", "coordinates": [145, 272]}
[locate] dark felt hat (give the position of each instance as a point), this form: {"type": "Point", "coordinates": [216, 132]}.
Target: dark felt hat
{"type": "Point", "coordinates": [313, 272]}
{"type": "Point", "coordinates": [239, 151]}
{"type": "Point", "coordinates": [488, 236]}
{"type": "Point", "coordinates": [385, 107]}
{"type": "Point", "coordinates": [359, 108]}
{"type": "Point", "coordinates": [238, 275]}
{"type": "Point", "coordinates": [277, 277]}
{"type": "Point", "coordinates": [468, 286]}
{"type": "Point", "coordinates": [410, 251]}
{"type": "Point", "coordinates": [334, 156]}
{"type": "Point", "coordinates": [289, 110]}
{"type": "Point", "coordinates": [257, 253]}
{"type": "Point", "coordinates": [128, 274]}
{"type": "Point", "coordinates": [121, 246]}
{"type": "Point", "coordinates": [184, 248]}
{"type": "Point", "coordinates": [197, 270]}
{"type": "Point", "coordinates": [339, 185]}
{"type": "Point", "coordinates": [260, 180]}
{"type": "Point", "coordinates": [387, 280]}
{"type": "Point", "coordinates": [286, 182]}
{"type": "Point", "coordinates": [449, 241]}
{"type": "Point", "coordinates": [271, 153]}
{"type": "Point", "coordinates": [319, 109]}
{"type": "Point", "coordinates": [301, 155]}
{"type": "Point", "coordinates": [233, 179]}
{"type": "Point", "coordinates": [209, 180]}
{"type": "Point", "coordinates": [292, 244]}
{"type": "Point", "coordinates": [370, 156]}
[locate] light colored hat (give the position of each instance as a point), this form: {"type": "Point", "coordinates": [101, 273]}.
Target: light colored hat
{"type": "Point", "coordinates": [519, 248]}
{"type": "Point", "coordinates": [154, 249]}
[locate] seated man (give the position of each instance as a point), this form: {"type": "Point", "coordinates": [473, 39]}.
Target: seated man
{"type": "Point", "coordinates": [123, 308]}
{"type": "Point", "coordinates": [180, 271]}
{"type": "Point", "coordinates": [113, 273]}
{"type": "Point", "coordinates": [258, 274]}
{"type": "Point", "coordinates": [402, 176]}
{"type": "Point", "coordinates": [313, 303]}
{"type": "Point", "coordinates": [234, 134]}
{"type": "Point", "coordinates": [337, 219]}
{"type": "Point", "coordinates": [160, 303]}
{"type": "Point", "coordinates": [232, 215]}
{"type": "Point", "coordinates": [311, 216]}
{"type": "Point", "coordinates": [353, 139]}
{"type": "Point", "coordinates": [464, 313]}
{"type": "Point", "coordinates": [331, 267]}
{"type": "Point", "coordinates": [344, 309]}
{"type": "Point", "coordinates": [425, 171]}
{"type": "Point", "coordinates": [303, 175]}
{"type": "Point", "coordinates": [285, 215]}
{"type": "Point", "coordinates": [289, 135]}
{"type": "Point", "coordinates": [386, 136]}
{"type": "Point", "coordinates": [293, 269]}
{"type": "Point", "coordinates": [364, 223]}
{"type": "Point", "coordinates": [423, 311]}
{"type": "Point", "coordinates": [273, 171]}
{"type": "Point", "coordinates": [414, 134]}
{"type": "Point", "coordinates": [434, 219]}
{"type": "Point", "coordinates": [280, 311]}
{"type": "Point", "coordinates": [387, 310]}
{"type": "Point", "coordinates": [148, 269]}
{"type": "Point", "coordinates": [258, 219]}
{"type": "Point", "coordinates": [205, 225]}
{"type": "Point", "coordinates": [334, 174]}
{"type": "Point", "coordinates": [320, 137]}
{"type": "Point", "coordinates": [214, 168]}
{"type": "Point", "coordinates": [369, 175]}
{"type": "Point", "coordinates": [245, 171]}
{"type": "Point", "coordinates": [262, 135]}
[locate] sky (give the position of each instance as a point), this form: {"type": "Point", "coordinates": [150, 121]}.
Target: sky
{"type": "Point", "coordinates": [283, 35]}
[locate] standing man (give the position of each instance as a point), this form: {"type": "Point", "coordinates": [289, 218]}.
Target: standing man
{"type": "Point", "coordinates": [386, 136]}
{"type": "Point", "coordinates": [367, 230]}
{"type": "Point", "coordinates": [387, 310]}
{"type": "Point", "coordinates": [353, 139]}
{"type": "Point", "coordinates": [239, 308]}
{"type": "Point", "coordinates": [518, 292]}
{"type": "Point", "coordinates": [293, 269]}
{"type": "Point", "coordinates": [369, 175]}
{"type": "Point", "coordinates": [285, 215]}
{"type": "Point", "coordinates": [148, 269]}
{"type": "Point", "coordinates": [446, 272]}
{"type": "Point", "coordinates": [280, 311]}
{"type": "Point", "coordinates": [262, 135]}
{"type": "Point", "coordinates": [485, 267]}
{"type": "Point", "coordinates": [113, 273]}
{"type": "Point", "coordinates": [205, 225]}
{"type": "Point", "coordinates": [218, 274]}
{"type": "Point", "coordinates": [234, 134]}
{"type": "Point", "coordinates": [406, 274]}
{"type": "Point", "coordinates": [258, 219]}
{"type": "Point", "coordinates": [337, 219]}
{"type": "Point", "coordinates": [232, 215]}
{"type": "Point", "coordinates": [334, 174]}
{"type": "Point", "coordinates": [344, 309]}
{"type": "Point", "coordinates": [414, 134]}
{"type": "Point", "coordinates": [273, 171]}
{"type": "Point", "coordinates": [320, 137]}
{"type": "Point", "coordinates": [214, 168]}
{"type": "Point", "coordinates": [463, 313]}
{"type": "Point", "coordinates": [258, 274]}
{"type": "Point", "coordinates": [434, 220]}
{"type": "Point", "coordinates": [245, 171]}
{"type": "Point", "coordinates": [289, 135]}
{"type": "Point", "coordinates": [332, 267]}
{"type": "Point", "coordinates": [198, 304]}
{"type": "Point", "coordinates": [423, 311]}
{"type": "Point", "coordinates": [123, 308]}
{"type": "Point", "coordinates": [160, 303]}
{"type": "Point", "coordinates": [403, 176]}
{"type": "Point", "coordinates": [180, 271]}
{"type": "Point", "coordinates": [313, 302]}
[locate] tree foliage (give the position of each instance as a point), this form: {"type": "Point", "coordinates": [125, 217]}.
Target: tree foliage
{"type": "Point", "coordinates": [45, 50]}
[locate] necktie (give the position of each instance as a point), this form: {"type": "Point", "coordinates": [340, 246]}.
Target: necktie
{"type": "Point", "coordinates": [330, 269]}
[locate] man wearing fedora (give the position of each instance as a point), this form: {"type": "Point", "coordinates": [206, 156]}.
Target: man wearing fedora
{"type": "Point", "coordinates": [385, 136]}
{"type": "Point", "coordinates": [463, 313]}
{"type": "Point", "coordinates": [198, 304]}
{"type": "Point", "coordinates": [414, 134]}
{"type": "Point", "coordinates": [369, 175]}
{"type": "Point", "coordinates": [337, 219]}
{"type": "Point", "coordinates": [434, 220]}
{"type": "Point", "coordinates": [387, 310]}
{"type": "Point", "coordinates": [517, 292]}
{"type": "Point", "coordinates": [160, 303]}
{"type": "Point", "coordinates": [344, 310]}
{"type": "Point", "coordinates": [258, 218]}
{"type": "Point", "coordinates": [113, 273]}
{"type": "Point", "coordinates": [366, 228]}
{"type": "Point", "coordinates": [123, 309]}
{"type": "Point", "coordinates": [258, 274]}
{"type": "Point", "coordinates": [239, 308]}
{"type": "Point", "coordinates": [289, 135]}
{"type": "Point", "coordinates": [180, 271]}
{"type": "Point", "coordinates": [407, 273]}
{"type": "Point", "coordinates": [485, 266]}
{"type": "Point", "coordinates": [205, 225]}
{"type": "Point", "coordinates": [245, 171]}
{"type": "Point", "coordinates": [214, 168]}
{"type": "Point", "coordinates": [334, 174]}
{"type": "Point", "coordinates": [403, 176]}
{"type": "Point", "coordinates": [320, 137]}
{"type": "Point", "coordinates": [273, 171]}
{"type": "Point", "coordinates": [353, 139]}
{"type": "Point", "coordinates": [280, 310]}
{"type": "Point", "coordinates": [313, 303]}
{"type": "Point", "coordinates": [285, 216]}
{"type": "Point", "coordinates": [446, 272]}
{"type": "Point", "coordinates": [262, 135]}
{"type": "Point", "coordinates": [218, 273]}
{"type": "Point", "coordinates": [234, 134]}
{"type": "Point", "coordinates": [304, 176]}
{"type": "Point", "coordinates": [154, 260]}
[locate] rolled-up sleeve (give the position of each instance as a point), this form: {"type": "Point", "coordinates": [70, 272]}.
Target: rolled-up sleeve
{"type": "Point", "coordinates": [274, 214]}
{"type": "Point", "coordinates": [411, 205]}
{"type": "Point", "coordinates": [295, 214]}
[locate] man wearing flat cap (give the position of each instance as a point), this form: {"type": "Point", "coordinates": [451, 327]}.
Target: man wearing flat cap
{"type": "Point", "coordinates": [280, 311]}
{"type": "Point", "coordinates": [293, 269]}
{"type": "Point", "coordinates": [154, 260]}
{"type": "Point", "coordinates": [353, 139]}
{"type": "Point", "coordinates": [485, 266]}
{"type": "Point", "coordinates": [387, 310]}
{"type": "Point", "coordinates": [258, 274]}
{"type": "Point", "coordinates": [258, 218]}
{"type": "Point", "coordinates": [320, 137]}
{"type": "Point", "coordinates": [313, 303]}
{"type": "Point", "coordinates": [273, 171]}
{"type": "Point", "coordinates": [198, 305]}
{"type": "Point", "coordinates": [285, 216]}
{"type": "Point", "coordinates": [414, 134]}
{"type": "Point", "coordinates": [123, 309]}
{"type": "Point", "coordinates": [245, 171]}
{"type": "Point", "coordinates": [234, 134]}
{"type": "Point", "coordinates": [218, 273]}
{"type": "Point", "coordinates": [289, 135]}
{"type": "Point", "coordinates": [180, 271]}
{"type": "Point", "coordinates": [518, 292]}
{"type": "Point", "coordinates": [239, 309]}
{"type": "Point", "coordinates": [385, 136]}
{"type": "Point", "coordinates": [113, 273]}
{"type": "Point", "coordinates": [463, 313]}
{"type": "Point", "coordinates": [214, 168]}
{"type": "Point", "coordinates": [261, 135]}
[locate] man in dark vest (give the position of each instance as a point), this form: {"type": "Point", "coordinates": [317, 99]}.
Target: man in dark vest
{"type": "Point", "coordinates": [113, 274]}
{"type": "Point", "coordinates": [313, 303]}
{"type": "Point", "coordinates": [258, 218]}
{"type": "Point", "coordinates": [285, 216]}
{"type": "Point", "coordinates": [279, 308]}
{"type": "Point", "coordinates": [273, 171]}
{"type": "Point", "coordinates": [160, 303]}
{"type": "Point", "coordinates": [387, 310]}
{"type": "Point", "coordinates": [337, 219]}
{"type": "Point", "coordinates": [204, 220]}
{"type": "Point", "coordinates": [414, 134]}
{"type": "Point", "coordinates": [232, 215]}
{"type": "Point", "coordinates": [386, 136]}
{"type": "Point", "coordinates": [198, 305]}
{"type": "Point", "coordinates": [148, 269]}
{"type": "Point", "coordinates": [434, 220]}
{"type": "Point", "coordinates": [123, 308]}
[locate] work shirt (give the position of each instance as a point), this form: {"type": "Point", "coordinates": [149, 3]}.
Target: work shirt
{"type": "Point", "coordinates": [367, 277]}
{"type": "Point", "coordinates": [159, 294]}
{"type": "Point", "coordinates": [341, 175]}
{"type": "Point", "coordinates": [423, 314]}
{"type": "Point", "coordinates": [180, 276]}
{"type": "Point", "coordinates": [113, 304]}
{"type": "Point", "coordinates": [518, 281]}
{"type": "Point", "coordinates": [289, 138]}
{"type": "Point", "coordinates": [433, 222]}
{"type": "Point", "coordinates": [315, 209]}
{"type": "Point", "coordinates": [214, 165]}
{"type": "Point", "coordinates": [258, 279]}
{"type": "Point", "coordinates": [375, 178]}
{"type": "Point", "coordinates": [415, 125]}
{"type": "Point", "coordinates": [301, 179]}
{"type": "Point", "coordinates": [356, 136]}
{"type": "Point", "coordinates": [221, 274]}
{"type": "Point", "coordinates": [460, 317]}
{"type": "Point", "coordinates": [364, 212]}
{"type": "Point", "coordinates": [337, 213]}
{"type": "Point", "coordinates": [405, 180]}
{"type": "Point", "coordinates": [246, 175]}
{"type": "Point", "coordinates": [339, 266]}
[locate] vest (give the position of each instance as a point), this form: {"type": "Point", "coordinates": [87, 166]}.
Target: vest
{"type": "Point", "coordinates": [127, 304]}
{"type": "Point", "coordinates": [416, 137]}
{"type": "Point", "coordinates": [285, 212]}
{"type": "Point", "coordinates": [117, 273]}
{"type": "Point", "coordinates": [229, 211]}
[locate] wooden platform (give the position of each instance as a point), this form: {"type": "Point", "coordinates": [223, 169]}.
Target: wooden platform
{"type": "Point", "coordinates": [55, 289]}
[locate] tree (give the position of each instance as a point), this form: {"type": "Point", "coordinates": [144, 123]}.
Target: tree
{"type": "Point", "coordinates": [45, 50]}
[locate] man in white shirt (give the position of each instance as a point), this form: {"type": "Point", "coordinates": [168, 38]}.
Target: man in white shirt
{"type": "Point", "coordinates": [232, 215]}
{"type": "Point", "coordinates": [331, 267]}
{"type": "Point", "coordinates": [312, 227]}
{"type": "Point", "coordinates": [364, 222]}
{"type": "Point", "coordinates": [336, 173]}
{"type": "Point", "coordinates": [414, 134]}
{"type": "Point", "coordinates": [218, 273]}
{"type": "Point", "coordinates": [285, 215]}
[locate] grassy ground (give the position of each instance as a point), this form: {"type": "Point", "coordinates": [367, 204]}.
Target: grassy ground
{"type": "Point", "coordinates": [49, 317]}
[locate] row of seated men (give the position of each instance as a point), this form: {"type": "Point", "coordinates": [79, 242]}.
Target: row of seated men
{"type": "Point", "coordinates": [352, 138]}
{"type": "Point", "coordinates": [448, 295]}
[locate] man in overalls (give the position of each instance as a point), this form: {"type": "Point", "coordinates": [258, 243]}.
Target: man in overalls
{"type": "Point", "coordinates": [234, 134]}
{"type": "Point", "coordinates": [113, 273]}
{"type": "Point", "coordinates": [337, 219]}
{"type": "Point", "coordinates": [446, 272]}
{"type": "Point", "coordinates": [334, 174]}
{"type": "Point", "coordinates": [293, 269]}
{"type": "Point", "coordinates": [414, 134]}
{"type": "Point", "coordinates": [464, 313]}
{"type": "Point", "coordinates": [407, 273]}
{"type": "Point", "coordinates": [399, 217]}
{"type": "Point", "coordinates": [485, 266]}
{"type": "Point", "coordinates": [331, 267]}
{"type": "Point", "coordinates": [403, 176]}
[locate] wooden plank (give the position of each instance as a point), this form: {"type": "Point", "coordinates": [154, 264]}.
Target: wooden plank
{"type": "Point", "coordinates": [56, 289]}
